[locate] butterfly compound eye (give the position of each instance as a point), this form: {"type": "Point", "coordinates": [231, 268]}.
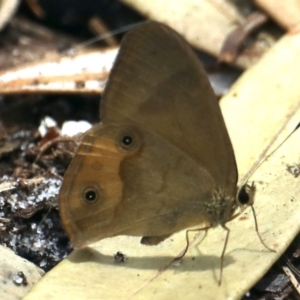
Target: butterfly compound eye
{"type": "Point", "coordinates": [246, 194]}
{"type": "Point", "coordinates": [243, 196]}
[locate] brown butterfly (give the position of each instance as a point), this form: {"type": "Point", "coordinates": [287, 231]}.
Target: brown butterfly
{"type": "Point", "coordinates": [160, 160]}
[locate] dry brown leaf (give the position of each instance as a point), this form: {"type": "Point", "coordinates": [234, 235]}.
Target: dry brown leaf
{"type": "Point", "coordinates": [83, 73]}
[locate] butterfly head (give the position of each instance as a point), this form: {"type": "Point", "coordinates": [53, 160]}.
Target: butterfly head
{"type": "Point", "coordinates": [245, 195]}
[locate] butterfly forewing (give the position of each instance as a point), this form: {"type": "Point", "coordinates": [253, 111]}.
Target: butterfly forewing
{"type": "Point", "coordinates": [159, 84]}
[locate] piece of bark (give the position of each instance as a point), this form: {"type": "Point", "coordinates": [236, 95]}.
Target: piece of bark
{"type": "Point", "coordinates": [80, 73]}
{"type": "Point", "coordinates": [232, 45]}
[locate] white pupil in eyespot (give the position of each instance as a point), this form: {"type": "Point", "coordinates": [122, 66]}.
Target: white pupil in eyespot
{"type": "Point", "coordinates": [127, 140]}
{"type": "Point", "coordinates": [90, 195]}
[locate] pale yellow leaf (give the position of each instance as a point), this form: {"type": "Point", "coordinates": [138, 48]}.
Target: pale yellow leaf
{"type": "Point", "coordinates": [286, 13]}
{"type": "Point", "coordinates": [259, 105]}
{"type": "Point", "coordinates": [12, 285]}
{"type": "Point", "coordinates": [205, 24]}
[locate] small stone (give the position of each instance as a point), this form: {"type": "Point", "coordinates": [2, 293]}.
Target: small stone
{"type": "Point", "coordinates": [20, 279]}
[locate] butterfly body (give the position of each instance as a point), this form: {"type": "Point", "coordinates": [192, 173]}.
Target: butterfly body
{"type": "Point", "coordinates": [161, 159]}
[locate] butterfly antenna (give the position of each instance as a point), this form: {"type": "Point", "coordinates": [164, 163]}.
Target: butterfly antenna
{"type": "Point", "coordinates": [100, 38]}
{"type": "Point", "coordinates": [296, 128]}
{"type": "Point", "coordinates": [263, 158]}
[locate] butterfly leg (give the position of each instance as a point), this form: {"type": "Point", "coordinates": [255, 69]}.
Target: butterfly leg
{"type": "Point", "coordinates": [188, 240]}
{"type": "Point", "coordinates": [257, 231]}
{"type": "Point", "coordinates": [223, 253]}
